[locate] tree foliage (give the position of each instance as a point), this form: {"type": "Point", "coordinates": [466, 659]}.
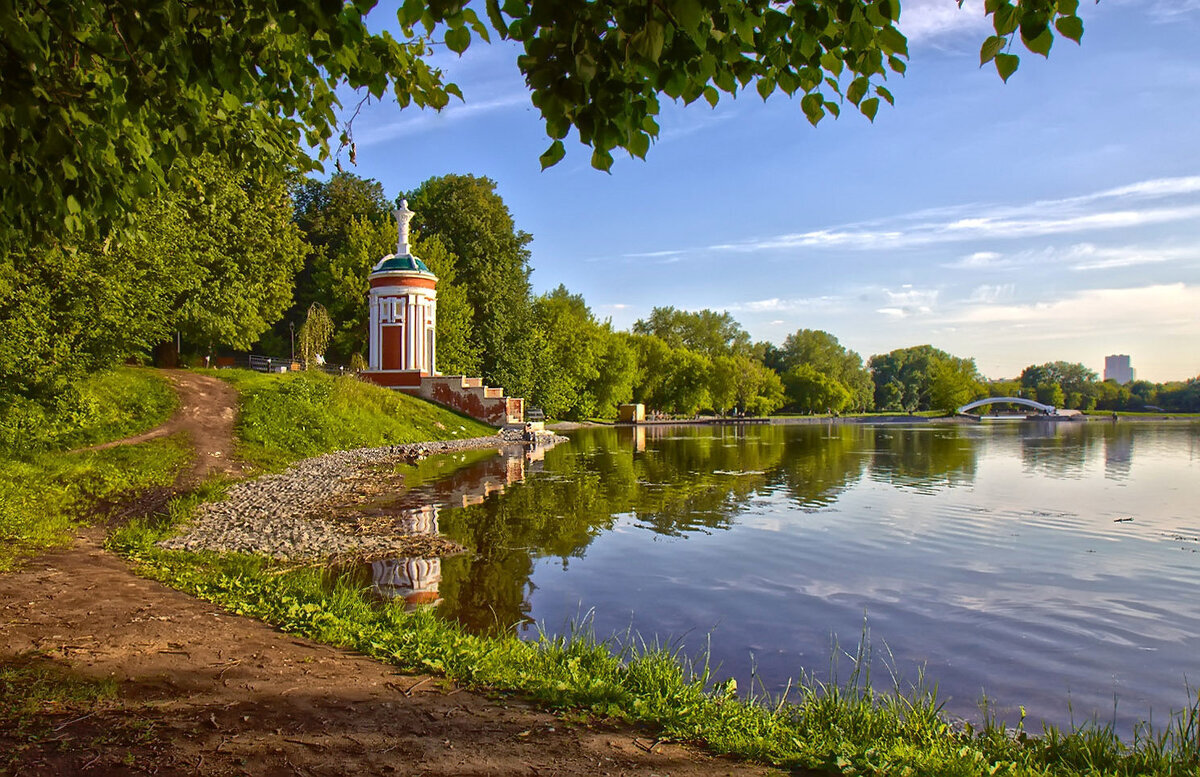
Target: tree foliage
{"type": "Point", "coordinates": [490, 264]}
{"type": "Point", "coordinates": [314, 335]}
{"type": "Point", "coordinates": [704, 331]}
{"type": "Point", "coordinates": [923, 378]}
{"type": "Point", "coordinates": [822, 351]}
{"type": "Point", "coordinates": [811, 391]}
{"type": "Point", "coordinates": [101, 100]}
{"type": "Point", "coordinates": [213, 259]}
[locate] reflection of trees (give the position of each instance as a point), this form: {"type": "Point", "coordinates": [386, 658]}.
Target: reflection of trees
{"type": "Point", "coordinates": [1059, 449]}
{"type": "Point", "coordinates": [820, 462]}
{"type": "Point", "coordinates": [686, 479]}
{"type": "Point", "coordinates": [925, 458]}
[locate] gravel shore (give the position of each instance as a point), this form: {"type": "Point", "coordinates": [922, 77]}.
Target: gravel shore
{"type": "Point", "coordinates": [282, 515]}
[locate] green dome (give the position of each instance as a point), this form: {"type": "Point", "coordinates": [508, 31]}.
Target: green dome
{"type": "Point", "coordinates": [402, 263]}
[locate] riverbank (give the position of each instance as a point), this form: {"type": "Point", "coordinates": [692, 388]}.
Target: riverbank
{"type": "Point", "coordinates": [307, 513]}
{"type": "Point", "coordinates": [195, 693]}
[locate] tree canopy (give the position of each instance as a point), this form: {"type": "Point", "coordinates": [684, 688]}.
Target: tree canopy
{"type": "Point", "coordinates": [101, 100]}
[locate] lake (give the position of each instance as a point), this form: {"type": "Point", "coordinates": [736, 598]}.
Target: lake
{"type": "Point", "coordinates": [1054, 566]}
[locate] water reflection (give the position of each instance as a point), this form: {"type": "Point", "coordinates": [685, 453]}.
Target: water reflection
{"type": "Point", "coordinates": [415, 580]}
{"type": "Point", "coordinates": [990, 554]}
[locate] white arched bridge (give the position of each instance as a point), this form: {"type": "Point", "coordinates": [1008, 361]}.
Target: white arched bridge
{"type": "Point", "coordinates": [1045, 409]}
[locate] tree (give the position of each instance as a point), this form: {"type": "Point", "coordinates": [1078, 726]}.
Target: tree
{"type": "Point", "coordinates": [923, 378]}
{"type": "Point", "coordinates": [1076, 382]}
{"type": "Point", "coordinates": [811, 391]}
{"type": "Point", "coordinates": [102, 99]}
{"type": "Point", "coordinates": [824, 353]}
{"type": "Point", "coordinates": [314, 335]}
{"type": "Point", "coordinates": [706, 332]}
{"type": "Point", "coordinates": [214, 261]}
{"type": "Point", "coordinates": [491, 265]}
{"type": "Point", "coordinates": [230, 238]}
{"type": "Point", "coordinates": [952, 384]}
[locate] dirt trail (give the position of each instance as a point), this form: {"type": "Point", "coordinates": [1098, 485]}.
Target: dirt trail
{"type": "Point", "coordinates": [207, 411]}
{"type": "Point", "coordinates": [201, 691]}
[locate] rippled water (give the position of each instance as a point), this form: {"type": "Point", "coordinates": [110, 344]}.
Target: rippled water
{"type": "Point", "coordinates": [1000, 558]}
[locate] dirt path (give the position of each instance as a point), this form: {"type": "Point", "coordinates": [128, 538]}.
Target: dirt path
{"type": "Point", "coordinates": [200, 691]}
{"type": "Point", "coordinates": [207, 411]}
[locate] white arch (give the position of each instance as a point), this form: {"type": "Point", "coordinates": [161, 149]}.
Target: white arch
{"type": "Point", "coordinates": [1050, 409]}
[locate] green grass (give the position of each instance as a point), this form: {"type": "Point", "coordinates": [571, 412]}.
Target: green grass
{"type": "Point", "coordinates": [107, 406]}
{"type": "Point", "coordinates": [283, 418]}
{"type": "Point", "coordinates": [45, 497]}
{"type": "Point", "coordinates": [46, 492]}
{"type": "Point", "coordinates": [844, 728]}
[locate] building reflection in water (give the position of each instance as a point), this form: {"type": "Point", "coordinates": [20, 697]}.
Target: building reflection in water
{"type": "Point", "coordinates": [1118, 452]}
{"type": "Point", "coordinates": [416, 580]}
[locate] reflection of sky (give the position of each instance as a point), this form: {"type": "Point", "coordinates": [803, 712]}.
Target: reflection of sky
{"type": "Point", "coordinates": [1013, 576]}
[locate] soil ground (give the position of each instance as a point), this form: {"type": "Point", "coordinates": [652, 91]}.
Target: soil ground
{"type": "Point", "coordinates": [201, 691]}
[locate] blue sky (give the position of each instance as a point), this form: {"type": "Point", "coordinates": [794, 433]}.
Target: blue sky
{"type": "Point", "coordinates": [1053, 217]}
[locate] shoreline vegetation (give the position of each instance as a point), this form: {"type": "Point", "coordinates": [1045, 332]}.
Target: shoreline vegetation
{"type": "Point", "coordinates": [837, 725]}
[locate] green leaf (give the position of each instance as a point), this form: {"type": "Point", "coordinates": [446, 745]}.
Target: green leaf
{"type": "Point", "coordinates": [885, 94]}
{"type": "Point", "coordinates": [1006, 65]}
{"type": "Point", "coordinates": [893, 40]}
{"type": "Point", "coordinates": [1070, 27]}
{"type": "Point", "coordinates": [857, 88]}
{"type": "Point", "coordinates": [688, 14]}
{"type": "Point", "coordinates": [410, 13]}
{"type": "Point", "coordinates": [765, 86]}
{"type": "Point", "coordinates": [991, 47]}
{"type": "Point", "coordinates": [493, 12]}
{"type": "Point", "coordinates": [458, 40]}
{"type": "Point", "coordinates": [602, 160]}
{"type": "Point", "coordinates": [712, 95]}
{"type": "Point", "coordinates": [1041, 43]}
{"type": "Point", "coordinates": [870, 107]}
{"type": "Point", "coordinates": [639, 144]}
{"type": "Point", "coordinates": [813, 106]}
{"type": "Point", "coordinates": [1005, 19]}
{"type": "Point", "coordinates": [552, 155]}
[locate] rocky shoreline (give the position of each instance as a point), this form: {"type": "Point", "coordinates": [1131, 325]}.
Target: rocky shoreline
{"type": "Point", "coordinates": [285, 516]}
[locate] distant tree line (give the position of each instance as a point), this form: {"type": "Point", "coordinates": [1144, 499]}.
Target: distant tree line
{"type": "Point", "coordinates": [234, 261]}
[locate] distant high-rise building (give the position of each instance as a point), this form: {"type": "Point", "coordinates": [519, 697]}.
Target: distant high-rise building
{"type": "Point", "coordinates": [1116, 367]}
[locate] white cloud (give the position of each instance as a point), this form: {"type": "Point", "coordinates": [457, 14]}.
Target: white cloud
{"type": "Point", "coordinates": [1087, 256]}
{"type": "Point", "coordinates": [1165, 308]}
{"type": "Point", "coordinates": [778, 305]}
{"type": "Point", "coordinates": [1078, 257]}
{"type": "Point", "coordinates": [908, 301]}
{"type": "Point", "coordinates": [416, 122]}
{"type": "Point", "coordinates": [926, 20]}
{"type": "Point", "coordinates": [988, 294]}
{"type": "Point", "coordinates": [1135, 205]}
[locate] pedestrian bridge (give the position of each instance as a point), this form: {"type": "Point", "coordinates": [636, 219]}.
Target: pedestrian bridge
{"type": "Point", "coordinates": [1047, 409]}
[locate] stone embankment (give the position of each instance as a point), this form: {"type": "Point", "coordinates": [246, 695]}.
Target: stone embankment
{"type": "Point", "coordinates": [287, 516]}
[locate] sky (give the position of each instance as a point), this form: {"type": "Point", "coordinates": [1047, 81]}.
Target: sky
{"type": "Point", "coordinates": [1055, 217]}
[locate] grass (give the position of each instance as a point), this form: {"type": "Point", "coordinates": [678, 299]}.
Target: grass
{"type": "Point", "coordinates": [283, 418]}
{"type": "Point", "coordinates": [46, 492]}
{"type": "Point", "coordinates": [843, 727]}
{"type": "Point", "coordinates": [107, 406]}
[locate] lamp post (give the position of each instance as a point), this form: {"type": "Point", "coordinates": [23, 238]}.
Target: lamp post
{"type": "Point", "coordinates": [292, 328]}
